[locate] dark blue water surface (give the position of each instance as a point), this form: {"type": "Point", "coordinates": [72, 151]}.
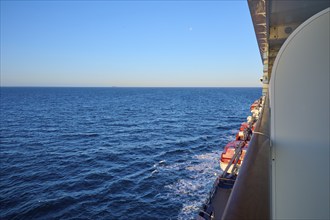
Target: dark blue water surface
{"type": "Point", "coordinates": [114, 153]}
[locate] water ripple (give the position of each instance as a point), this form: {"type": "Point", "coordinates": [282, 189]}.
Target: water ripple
{"type": "Point", "coordinates": [113, 153]}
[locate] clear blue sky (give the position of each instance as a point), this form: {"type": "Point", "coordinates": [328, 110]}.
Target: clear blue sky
{"type": "Point", "coordinates": [128, 43]}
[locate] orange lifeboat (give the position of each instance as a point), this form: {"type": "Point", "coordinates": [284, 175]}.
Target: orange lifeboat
{"type": "Point", "coordinates": [229, 152]}
{"type": "Point", "coordinates": [254, 105]}
{"type": "Point", "coordinates": [244, 125]}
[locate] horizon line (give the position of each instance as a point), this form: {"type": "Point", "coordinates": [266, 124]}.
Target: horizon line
{"type": "Point", "coordinates": [142, 87]}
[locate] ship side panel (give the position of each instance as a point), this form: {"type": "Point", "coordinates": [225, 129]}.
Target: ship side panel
{"type": "Point", "coordinates": [299, 102]}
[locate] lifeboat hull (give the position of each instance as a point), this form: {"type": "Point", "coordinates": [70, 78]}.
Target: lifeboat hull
{"type": "Point", "coordinates": [229, 152]}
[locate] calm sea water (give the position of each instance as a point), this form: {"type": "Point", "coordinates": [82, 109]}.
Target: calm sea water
{"type": "Point", "coordinates": [113, 153]}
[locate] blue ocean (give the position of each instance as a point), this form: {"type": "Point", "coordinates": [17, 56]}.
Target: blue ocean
{"type": "Point", "coordinates": [114, 153]}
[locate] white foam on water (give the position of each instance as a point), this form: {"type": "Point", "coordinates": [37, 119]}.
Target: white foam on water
{"type": "Point", "coordinates": [192, 190]}
{"type": "Point", "coordinates": [155, 171]}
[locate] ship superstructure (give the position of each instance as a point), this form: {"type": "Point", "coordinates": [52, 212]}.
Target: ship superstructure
{"type": "Point", "coordinates": [285, 172]}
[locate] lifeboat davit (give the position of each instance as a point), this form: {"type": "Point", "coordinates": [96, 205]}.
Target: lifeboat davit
{"type": "Point", "coordinates": [229, 152]}
{"type": "Point", "coordinates": [240, 136]}
{"type": "Point", "coordinates": [244, 135]}
{"type": "Point", "coordinates": [253, 127]}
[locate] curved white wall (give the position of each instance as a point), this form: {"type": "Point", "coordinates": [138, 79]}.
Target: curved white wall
{"type": "Point", "coordinates": [299, 102]}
